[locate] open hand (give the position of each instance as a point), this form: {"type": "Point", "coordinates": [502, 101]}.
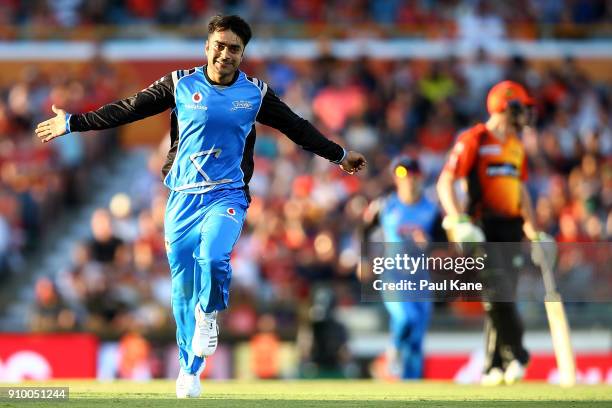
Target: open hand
{"type": "Point", "coordinates": [52, 128]}
{"type": "Point", "coordinates": [353, 162]}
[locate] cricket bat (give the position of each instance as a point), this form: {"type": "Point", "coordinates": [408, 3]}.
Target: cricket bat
{"type": "Point", "coordinates": [559, 327]}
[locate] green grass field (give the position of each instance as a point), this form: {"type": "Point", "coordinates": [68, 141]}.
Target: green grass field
{"type": "Point", "coordinates": [320, 394]}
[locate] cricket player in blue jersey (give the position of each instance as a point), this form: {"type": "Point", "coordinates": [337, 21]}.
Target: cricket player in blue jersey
{"type": "Point", "coordinates": [213, 109]}
{"type": "Point", "coordinates": [406, 216]}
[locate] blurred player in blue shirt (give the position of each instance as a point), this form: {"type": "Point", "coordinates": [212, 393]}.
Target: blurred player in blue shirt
{"type": "Point", "coordinates": [405, 216]}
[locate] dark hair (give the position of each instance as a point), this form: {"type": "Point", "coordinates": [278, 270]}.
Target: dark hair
{"type": "Point", "coordinates": [233, 23]}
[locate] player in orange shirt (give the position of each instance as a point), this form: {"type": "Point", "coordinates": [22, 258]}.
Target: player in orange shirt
{"type": "Point", "coordinates": [491, 158]}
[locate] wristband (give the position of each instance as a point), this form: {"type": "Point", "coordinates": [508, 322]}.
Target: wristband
{"type": "Point", "coordinates": [68, 116]}
{"type": "Point", "coordinates": [344, 154]}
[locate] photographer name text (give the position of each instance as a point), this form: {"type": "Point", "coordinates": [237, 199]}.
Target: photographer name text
{"type": "Point", "coordinates": [426, 285]}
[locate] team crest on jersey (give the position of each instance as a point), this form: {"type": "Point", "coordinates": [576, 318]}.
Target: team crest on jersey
{"type": "Point", "coordinates": [196, 97]}
{"type": "Point", "coordinates": [231, 211]}
{"type": "Point", "coordinates": [242, 105]}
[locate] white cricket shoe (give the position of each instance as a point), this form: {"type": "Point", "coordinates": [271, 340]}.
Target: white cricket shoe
{"type": "Point", "coordinates": [494, 377]}
{"type": "Point", "coordinates": [206, 334]}
{"type": "Point", "coordinates": [188, 385]}
{"type": "Point", "coordinates": [514, 372]}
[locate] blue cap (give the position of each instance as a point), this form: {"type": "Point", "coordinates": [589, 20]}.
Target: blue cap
{"type": "Point", "coordinates": [410, 164]}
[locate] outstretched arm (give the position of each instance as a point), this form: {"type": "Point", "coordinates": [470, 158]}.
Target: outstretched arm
{"type": "Point", "coordinates": [277, 114]}
{"type": "Point", "coordinates": [150, 101]}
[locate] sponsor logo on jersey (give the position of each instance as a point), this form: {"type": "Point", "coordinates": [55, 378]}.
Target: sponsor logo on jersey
{"type": "Point", "coordinates": [195, 106]}
{"type": "Point", "coordinates": [502, 169]}
{"type": "Point", "coordinates": [196, 98]}
{"type": "Point", "coordinates": [242, 105]}
{"type": "Point", "coordinates": [490, 150]}
{"type": "Point", "coordinates": [230, 213]}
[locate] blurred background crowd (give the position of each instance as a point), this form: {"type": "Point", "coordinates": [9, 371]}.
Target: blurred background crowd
{"type": "Point", "coordinates": [38, 181]}
{"type": "Point", "coordinates": [520, 18]}
{"type": "Point", "coordinates": [301, 230]}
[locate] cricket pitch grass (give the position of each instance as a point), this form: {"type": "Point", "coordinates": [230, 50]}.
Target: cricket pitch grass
{"type": "Point", "coordinates": [340, 393]}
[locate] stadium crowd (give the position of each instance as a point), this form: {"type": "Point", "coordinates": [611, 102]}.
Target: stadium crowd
{"type": "Point", "coordinates": [301, 226]}
{"type": "Point", "coordinates": [466, 14]}
{"type": "Point", "coordinates": [38, 182]}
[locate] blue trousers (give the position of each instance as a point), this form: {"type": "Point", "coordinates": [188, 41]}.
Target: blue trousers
{"type": "Point", "coordinates": [408, 325]}
{"type": "Point", "coordinates": [200, 231]}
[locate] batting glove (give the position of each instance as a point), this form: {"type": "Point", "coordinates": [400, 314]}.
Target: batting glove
{"type": "Point", "coordinates": [460, 229]}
